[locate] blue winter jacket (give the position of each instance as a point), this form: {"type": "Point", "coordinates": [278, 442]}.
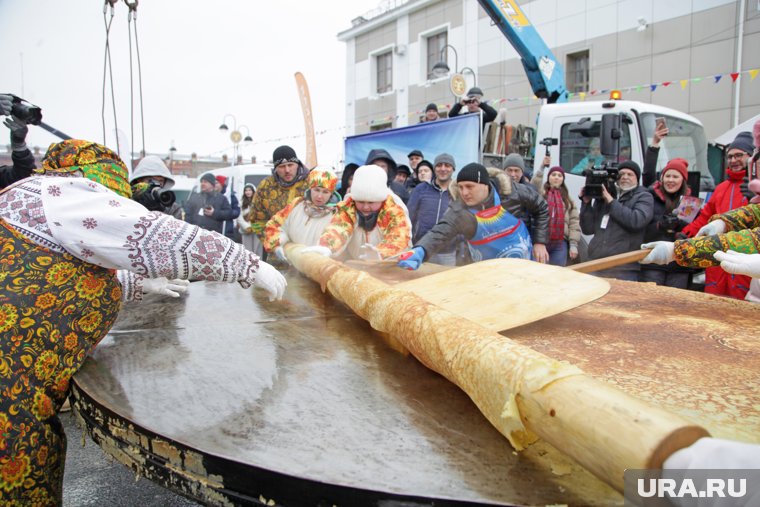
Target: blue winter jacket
{"type": "Point", "coordinates": [426, 205]}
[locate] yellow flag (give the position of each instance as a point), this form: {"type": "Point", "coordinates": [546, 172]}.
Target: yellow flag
{"type": "Point", "coordinates": [683, 83]}
{"type": "Point", "coordinates": [753, 74]}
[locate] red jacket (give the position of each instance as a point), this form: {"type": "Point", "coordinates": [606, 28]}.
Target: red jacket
{"type": "Point", "coordinates": [727, 196]}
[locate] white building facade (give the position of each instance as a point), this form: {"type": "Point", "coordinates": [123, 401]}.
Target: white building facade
{"type": "Point", "coordinates": [699, 56]}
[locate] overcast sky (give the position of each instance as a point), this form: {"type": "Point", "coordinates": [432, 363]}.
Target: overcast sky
{"type": "Point", "coordinates": [200, 61]}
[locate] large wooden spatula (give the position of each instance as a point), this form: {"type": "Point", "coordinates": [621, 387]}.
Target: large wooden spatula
{"type": "Point", "coordinates": [500, 294]}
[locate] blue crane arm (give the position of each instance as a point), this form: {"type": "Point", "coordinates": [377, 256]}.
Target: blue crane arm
{"type": "Point", "coordinates": [545, 74]}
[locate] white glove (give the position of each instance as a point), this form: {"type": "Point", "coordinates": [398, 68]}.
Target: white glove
{"type": "Point", "coordinates": [369, 253]}
{"type": "Point", "coordinates": [739, 263]}
{"type": "Point", "coordinates": [713, 228]}
{"type": "Point", "coordinates": [279, 252]}
{"type": "Point", "coordinates": [321, 250]}
{"type": "Point", "coordinates": [712, 454]}
{"type": "Point", "coordinates": [708, 453]}
{"type": "Point", "coordinates": [662, 252]}
{"type": "Point", "coordinates": [270, 280]}
{"type": "Point", "coordinates": [164, 286]}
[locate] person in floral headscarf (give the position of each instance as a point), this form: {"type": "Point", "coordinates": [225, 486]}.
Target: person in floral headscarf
{"type": "Point", "coordinates": [64, 232]}
{"type": "Point", "coordinates": [303, 220]}
{"type": "Point", "coordinates": [369, 224]}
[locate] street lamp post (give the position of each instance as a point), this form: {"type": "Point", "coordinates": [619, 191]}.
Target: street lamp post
{"type": "Point", "coordinates": [235, 135]}
{"type": "Point", "coordinates": [457, 82]}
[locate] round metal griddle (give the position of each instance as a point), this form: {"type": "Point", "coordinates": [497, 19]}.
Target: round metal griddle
{"type": "Point", "coordinates": [228, 398]}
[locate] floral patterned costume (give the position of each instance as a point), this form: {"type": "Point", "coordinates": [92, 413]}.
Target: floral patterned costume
{"type": "Point", "coordinates": [743, 226]}
{"type": "Point", "coordinates": [63, 237]}
{"type": "Point", "coordinates": [269, 199]}
{"type": "Point", "coordinates": [391, 235]}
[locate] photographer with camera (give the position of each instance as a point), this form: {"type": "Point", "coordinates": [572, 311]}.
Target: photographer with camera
{"type": "Point", "coordinates": [474, 103]}
{"type": "Point", "coordinates": [23, 160]}
{"type": "Point", "coordinates": [151, 183]}
{"type": "Point", "coordinates": [618, 222]}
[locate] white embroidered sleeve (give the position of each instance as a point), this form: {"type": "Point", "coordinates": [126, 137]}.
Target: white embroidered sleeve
{"type": "Point", "coordinates": [103, 228]}
{"type": "Point", "coordinates": [131, 285]}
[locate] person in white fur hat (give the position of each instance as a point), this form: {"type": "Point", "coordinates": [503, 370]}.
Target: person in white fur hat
{"type": "Point", "coordinates": [368, 223]}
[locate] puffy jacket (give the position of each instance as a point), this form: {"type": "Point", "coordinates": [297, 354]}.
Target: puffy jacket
{"type": "Point", "coordinates": [23, 165]}
{"type": "Point", "coordinates": [427, 206]}
{"type": "Point", "coordinates": [629, 215]}
{"type": "Point", "coordinates": [395, 186]}
{"type": "Point", "coordinates": [520, 200]}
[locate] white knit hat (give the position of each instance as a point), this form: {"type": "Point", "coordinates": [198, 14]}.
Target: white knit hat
{"type": "Point", "coordinates": [370, 184]}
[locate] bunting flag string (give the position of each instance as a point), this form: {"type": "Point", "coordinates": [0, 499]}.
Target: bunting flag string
{"type": "Point", "coordinates": [652, 87]}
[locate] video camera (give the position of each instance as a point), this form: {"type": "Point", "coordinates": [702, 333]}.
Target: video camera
{"type": "Point", "coordinates": [25, 111]}
{"type": "Point", "coordinates": [155, 198]}
{"type": "Point", "coordinates": [606, 174]}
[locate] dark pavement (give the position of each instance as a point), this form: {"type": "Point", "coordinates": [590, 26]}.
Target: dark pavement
{"type": "Point", "coordinates": [92, 478]}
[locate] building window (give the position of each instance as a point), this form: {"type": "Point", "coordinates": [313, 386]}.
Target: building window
{"type": "Point", "coordinates": [380, 126]}
{"type": "Point", "coordinates": [435, 45]}
{"type": "Point", "coordinates": [384, 63]}
{"type": "Point", "coordinates": [577, 72]}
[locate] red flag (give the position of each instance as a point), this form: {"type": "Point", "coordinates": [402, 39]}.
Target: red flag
{"type": "Point", "coordinates": [734, 76]}
{"type": "Point", "coordinates": [666, 83]}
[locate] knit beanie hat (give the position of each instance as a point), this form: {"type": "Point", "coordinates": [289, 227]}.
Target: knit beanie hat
{"type": "Point", "coordinates": [403, 169]}
{"type": "Point", "coordinates": [632, 166]}
{"type": "Point", "coordinates": [283, 154]}
{"type": "Point", "coordinates": [473, 172]}
{"type": "Point", "coordinates": [210, 178]}
{"type": "Point", "coordinates": [370, 184]}
{"type": "Point", "coordinates": [321, 177]}
{"type": "Point", "coordinates": [445, 158]}
{"type": "Point", "coordinates": [555, 169]}
{"type": "Point", "coordinates": [95, 161]}
{"type": "Point", "coordinates": [677, 164]}
{"type": "Point", "coordinates": [743, 141]}
{"type": "Point", "coordinates": [221, 179]}
{"type": "Point", "coordinates": [152, 165]}
{"type": "Point", "coordinates": [425, 163]}
{"type": "Point", "coordinates": [514, 160]}
{"type": "Point", "coordinates": [475, 92]}
{"type": "Point", "coordinates": [431, 107]}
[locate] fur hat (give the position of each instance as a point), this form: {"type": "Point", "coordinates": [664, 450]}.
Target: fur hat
{"type": "Point", "coordinates": [95, 161]}
{"type": "Point", "coordinates": [473, 172]}
{"type": "Point", "coordinates": [152, 165]}
{"type": "Point", "coordinates": [743, 141]}
{"type": "Point", "coordinates": [677, 164]}
{"type": "Point", "coordinates": [370, 184]}
{"type": "Point", "coordinates": [514, 160]}
{"type": "Point", "coordinates": [445, 158]}
{"type": "Point", "coordinates": [631, 166]}
{"type": "Point", "coordinates": [322, 177]}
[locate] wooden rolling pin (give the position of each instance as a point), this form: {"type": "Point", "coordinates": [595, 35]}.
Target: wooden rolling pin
{"type": "Point", "coordinates": [523, 393]}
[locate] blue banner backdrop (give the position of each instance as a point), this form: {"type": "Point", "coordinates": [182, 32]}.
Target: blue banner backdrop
{"type": "Point", "coordinates": [458, 136]}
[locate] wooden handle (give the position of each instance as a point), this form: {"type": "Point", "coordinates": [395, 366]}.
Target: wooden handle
{"type": "Point", "coordinates": [611, 261]}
